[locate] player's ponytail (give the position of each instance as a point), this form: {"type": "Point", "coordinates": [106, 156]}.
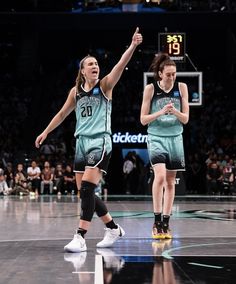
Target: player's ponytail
{"type": "Point", "coordinates": [159, 62]}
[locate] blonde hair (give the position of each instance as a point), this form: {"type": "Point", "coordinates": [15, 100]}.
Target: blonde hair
{"type": "Point", "coordinates": [80, 78]}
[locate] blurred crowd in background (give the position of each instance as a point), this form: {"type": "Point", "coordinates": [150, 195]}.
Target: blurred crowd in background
{"type": "Point", "coordinates": [31, 96]}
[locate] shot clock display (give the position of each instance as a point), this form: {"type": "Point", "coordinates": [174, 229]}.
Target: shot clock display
{"type": "Point", "coordinates": [172, 44]}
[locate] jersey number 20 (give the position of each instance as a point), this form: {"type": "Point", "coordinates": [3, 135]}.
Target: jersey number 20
{"type": "Point", "coordinates": [86, 111]}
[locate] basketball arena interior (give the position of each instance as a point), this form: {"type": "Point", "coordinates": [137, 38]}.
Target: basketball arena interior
{"type": "Point", "coordinates": [41, 45]}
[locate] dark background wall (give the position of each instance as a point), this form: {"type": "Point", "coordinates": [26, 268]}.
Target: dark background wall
{"type": "Point", "coordinates": [47, 46]}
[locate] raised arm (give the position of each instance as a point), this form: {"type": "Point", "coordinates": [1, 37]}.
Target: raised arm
{"type": "Point", "coordinates": [67, 108]}
{"type": "Point", "coordinates": [109, 81]}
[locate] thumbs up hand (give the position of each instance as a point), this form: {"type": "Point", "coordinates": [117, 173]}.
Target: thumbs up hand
{"type": "Point", "coordinates": [137, 37]}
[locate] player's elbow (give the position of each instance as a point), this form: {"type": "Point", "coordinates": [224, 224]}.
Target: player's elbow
{"type": "Point", "coordinates": [143, 121]}
{"type": "Point", "coordinates": [185, 120]}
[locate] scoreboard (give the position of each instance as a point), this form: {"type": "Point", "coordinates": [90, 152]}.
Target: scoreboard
{"type": "Point", "coordinates": [173, 44]}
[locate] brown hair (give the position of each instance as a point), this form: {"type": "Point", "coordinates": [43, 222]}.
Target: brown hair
{"type": "Point", "coordinates": [159, 62]}
{"type": "Point", "coordinates": [80, 78]}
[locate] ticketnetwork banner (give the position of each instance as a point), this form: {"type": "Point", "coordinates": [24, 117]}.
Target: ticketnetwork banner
{"type": "Point", "coordinates": [129, 138]}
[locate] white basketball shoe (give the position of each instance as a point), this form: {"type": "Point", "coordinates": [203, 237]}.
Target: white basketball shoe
{"type": "Point", "coordinates": [76, 245]}
{"type": "Point", "coordinates": [111, 236]}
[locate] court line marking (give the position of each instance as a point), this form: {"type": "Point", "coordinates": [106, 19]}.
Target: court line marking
{"type": "Point", "coordinates": [166, 254]}
{"type": "Point", "coordinates": [123, 240]}
{"type": "Point", "coordinates": [98, 277]}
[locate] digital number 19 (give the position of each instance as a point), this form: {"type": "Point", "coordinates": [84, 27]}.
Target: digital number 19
{"type": "Point", "coordinates": [174, 48]}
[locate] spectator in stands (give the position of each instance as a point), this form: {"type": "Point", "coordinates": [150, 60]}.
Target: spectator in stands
{"type": "Point", "coordinates": [9, 175]}
{"type": "Point", "coordinates": [69, 186]}
{"type": "Point", "coordinates": [4, 189]}
{"type": "Point", "coordinates": [58, 179]}
{"type": "Point", "coordinates": [227, 179]}
{"type": "Point", "coordinates": [214, 179]}
{"type": "Point", "coordinates": [33, 173]}
{"type": "Point", "coordinates": [233, 182]}
{"type": "Point", "coordinates": [46, 178]}
{"type": "Point", "coordinates": [21, 183]}
{"type": "Point", "coordinates": [48, 150]}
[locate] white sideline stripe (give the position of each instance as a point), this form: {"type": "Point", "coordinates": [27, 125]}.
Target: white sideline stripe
{"type": "Point", "coordinates": [98, 277]}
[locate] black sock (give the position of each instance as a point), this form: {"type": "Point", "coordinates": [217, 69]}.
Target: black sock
{"type": "Point", "coordinates": [111, 225]}
{"type": "Point", "coordinates": [166, 219]}
{"type": "Point", "coordinates": [157, 218]}
{"type": "Point", "coordinates": [82, 232]}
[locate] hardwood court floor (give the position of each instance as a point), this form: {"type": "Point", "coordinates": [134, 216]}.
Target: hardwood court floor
{"type": "Point", "coordinates": [34, 232]}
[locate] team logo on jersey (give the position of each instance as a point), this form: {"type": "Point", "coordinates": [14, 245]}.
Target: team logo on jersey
{"type": "Point", "coordinates": [91, 158]}
{"type": "Point", "coordinates": [176, 94]}
{"type": "Point", "coordinates": [95, 91]}
{"type": "Point", "coordinates": [158, 94]}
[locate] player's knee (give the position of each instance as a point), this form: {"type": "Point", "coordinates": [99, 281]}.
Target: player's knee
{"type": "Point", "coordinates": [159, 180]}
{"type": "Point", "coordinates": [87, 197]}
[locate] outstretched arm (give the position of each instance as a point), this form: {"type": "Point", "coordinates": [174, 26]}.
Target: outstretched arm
{"type": "Point", "coordinates": [109, 81]}
{"type": "Point", "coordinates": [58, 118]}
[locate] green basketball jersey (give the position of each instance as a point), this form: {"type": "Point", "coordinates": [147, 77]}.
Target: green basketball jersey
{"type": "Point", "coordinates": [93, 112]}
{"type": "Point", "coordinates": [165, 125]}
